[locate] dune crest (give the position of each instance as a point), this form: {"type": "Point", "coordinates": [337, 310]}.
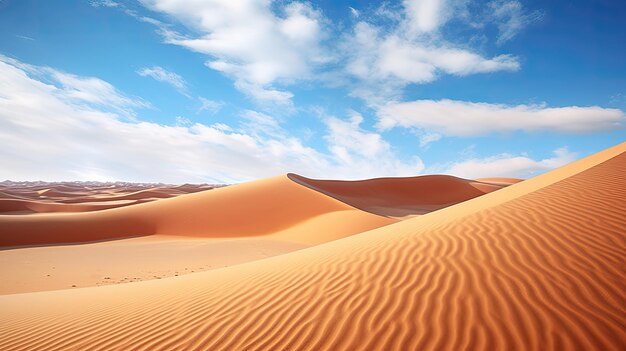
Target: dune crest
{"type": "Point", "coordinates": [535, 266]}
{"type": "Point", "coordinates": [499, 180]}
{"type": "Point", "coordinates": [400, 197]}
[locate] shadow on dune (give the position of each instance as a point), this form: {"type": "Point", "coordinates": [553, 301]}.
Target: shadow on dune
{"type": "Point", "coordinates": [400, 197]}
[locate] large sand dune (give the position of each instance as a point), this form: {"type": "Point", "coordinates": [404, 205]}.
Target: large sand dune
{"type": "Point", "coordinates": [256, 208]}
{"type": "Point", "coordinates": [538, 265]}
{"type": "Point", "coordinates": [276, 206]}
{"type": "Point", "coordinates": [401, 197]}
{"type": "Point", "coordinates": [230, 225]}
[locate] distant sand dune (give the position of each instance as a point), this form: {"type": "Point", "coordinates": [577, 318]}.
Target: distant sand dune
{"type": "Point", "coordinates": [256, 208]}
{"type": "Point", "coordinates": [15, 206]}
{"type": "Point", "coordinates": [400, 197]}
{"type": "Point", "coordinates": [46, 198]}
{"type": "Point", "coordinates": [538, 265]}
{"type": "Point", "coordinates": [276, 206]}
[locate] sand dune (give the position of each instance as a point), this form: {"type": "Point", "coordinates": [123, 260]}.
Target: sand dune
{"type": "Point", "coordinates": [255, 220]}
{"type": "Point", "coordinates": [39, 197]}
{"type": "Point", "coordinates": [538, 265]}
{"type": "Point", "coordinates": [289, 207]}
{"type": "Point", "coordinates": [401, 197]}
{"type": "Point", "coordinates": [257, 208]}
{"type": "Point", "coordinates": [15, 206]}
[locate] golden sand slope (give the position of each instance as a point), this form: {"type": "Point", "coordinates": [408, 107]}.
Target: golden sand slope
{"type": "Point", "coordinates": [401, 197]}
{"type": "Point", "coordinates": [130, 260]}
{"type": "Point", "coordinates": [536, 266]}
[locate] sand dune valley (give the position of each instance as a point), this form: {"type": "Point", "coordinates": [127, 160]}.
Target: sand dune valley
{"type": "Point", "coordinates": [291, 263]}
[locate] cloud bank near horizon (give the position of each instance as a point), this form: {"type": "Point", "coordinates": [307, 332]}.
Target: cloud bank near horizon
{"type": "Point", "coordinates": [59, 126]}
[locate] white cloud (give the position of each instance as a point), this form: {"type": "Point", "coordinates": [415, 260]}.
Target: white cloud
{"type": "Point", "coordinates": [418, 63]}
{"type": "Point", "coordinates": [426, 15]}
{"type": "Point", "coordinates": [506, 165]}
{"type": "Point", "coordinates": [461, 118]}
{"type": "Point", "coordinates": [346, 137]}
{"type": "Point", "coordinates": [51, 132]}
{"type": "Point", "coordinates": [249, 42]}
{"type": "Point", "coordinates": [265, 46]}
{"type": "Point", "coordinates": [162, 75]}
{"type": "Point", "coordinates": [385, 59]}
{"type": "Point", "coordinates": [366, 151]}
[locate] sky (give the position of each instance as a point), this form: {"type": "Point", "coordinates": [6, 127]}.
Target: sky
{"type": "Point", "coordinates": [221, 91]}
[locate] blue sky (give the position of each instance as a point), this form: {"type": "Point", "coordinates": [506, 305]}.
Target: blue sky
{"type": "Point", "coordinates": [227, 91]}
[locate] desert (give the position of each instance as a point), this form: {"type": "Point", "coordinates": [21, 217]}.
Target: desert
{"type": "Point", "coordinates": [330, 265]}
{"type": "Point", "coordinates": [273, 175]}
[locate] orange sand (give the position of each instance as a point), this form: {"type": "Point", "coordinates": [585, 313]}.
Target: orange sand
{"type": "Point", "coordinates": [538, 265]}
{"type": "Point", "coordinates": [258, 208]}
{"type": "Point", "coordinates": [272, 225]}
{"type": "Point", "coordinates": [129, 260]}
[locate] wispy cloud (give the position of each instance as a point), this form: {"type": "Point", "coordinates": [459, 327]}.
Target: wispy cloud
{"type": "Point", "coordinates": [105, 3]}
{"type": "Point", "coordinates": [90, 91]}
{"type": "Point", "coordinates": [427, 138]}
{"type": "Point", "coordinates": [209, 105]}
{"type": "Point", "coordinates": [24, 37]}
{"type": "Point", "coordinates": [162, 75]}
{"type": "Point", "coordinates": [354, 12]}
{"type": "Point", "coordinates": [510, 17]}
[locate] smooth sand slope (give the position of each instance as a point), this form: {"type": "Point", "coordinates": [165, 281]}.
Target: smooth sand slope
{"type": "Point", "coordinates": [402, 197]}
{"type": "Point", "coordinates": [536, 266]}
{"type": "Point", "coordinates": [131, 260]}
